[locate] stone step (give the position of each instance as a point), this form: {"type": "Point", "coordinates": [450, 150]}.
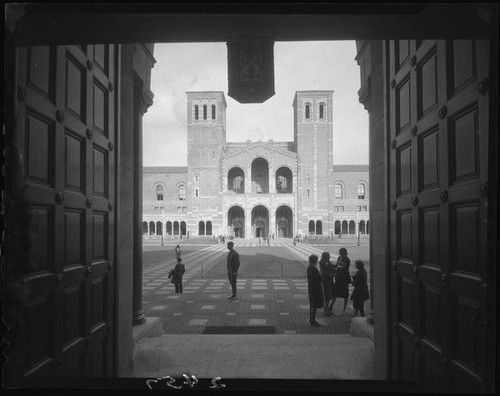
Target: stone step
{"type": "Point", "coordinates": [307, 356]}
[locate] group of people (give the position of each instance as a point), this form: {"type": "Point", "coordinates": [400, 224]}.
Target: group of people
{"type": "Point", "coordinates": [332, 281]}
{"type": "Point", "coordinates": [325, 285]}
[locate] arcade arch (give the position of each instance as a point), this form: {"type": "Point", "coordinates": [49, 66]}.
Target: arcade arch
{"type": "Point", "coordinates": [260, 221]}
{"type": "Point", "coordinates": [260, 176]}
{"type": "Point", "coordinates": [236, 221]}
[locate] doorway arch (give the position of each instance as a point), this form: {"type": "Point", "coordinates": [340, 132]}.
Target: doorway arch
{"type": "Point", "coordinates": [260, 221]}
{"type": "Point", "coordinates": [236, 222]}
{"type": "Point", "coordinates": [284, 222]}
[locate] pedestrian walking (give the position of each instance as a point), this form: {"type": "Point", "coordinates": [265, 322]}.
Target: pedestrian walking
{"type": "Point", "coordinates": [327, 271]}
{"type": "Point", "coordinates": [177, 252]}
{"type": "Point", "coordinates": [315, 289]}
{"type": "Point", "coordinates": [294, 241]}
{"type": "Point", "coordinates": [268, 241]}
{"type": "Point", "coordinates": [233, 264]}
{"type": "Point", "coordinates": [176, 275]}
{"type": "Point", "coordinates": [360, 293]}
{"type": "Point", "coordinates": [342, 278]}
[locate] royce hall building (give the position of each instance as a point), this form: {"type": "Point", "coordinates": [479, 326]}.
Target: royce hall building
{"type": "Point", "coordinates": [257, 189]}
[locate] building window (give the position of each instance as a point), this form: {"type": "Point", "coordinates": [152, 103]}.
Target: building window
{"type": "Point", "coordinates": [179, 209]}
{"type": "Point", "coordinates": [196, 192]}
{"type": "Point", "coordinates": [196, 178]}
{"type": "Point", "coordinates": [159, 192]}
{"type": "Point", "coordinates": [344, 227]}
{"type": "Point", "coordinates": [352, 227]}
{"type": "Point", "coordinates": [144, 227]}
{"type": "Point", "coordinates": [182, 192]}
{"type": "Point", "coordinates": [359, 208]}
{"type": "Point", "coordinates": [365, 208]}
{"type": "Point", "coordinates": [307, 192]}
{"type": "Point", "coordinates": [341, 208]}
{"type": "Point", "coordinates": [213, 112]}
{"type": "Point", "coordinates": [337, 227]}
{"type": "Point", "coordinates": [311, 227]}
{"type": "Point", "coordinates": [308, 111]}
{"type": "Point", "coordinates": [204, 112]}
{"type": "Point", "coordinates": [201, 228]}
{"type": "Point", "coordinates": [237, 183]}
{"type": "Point", "coordinates": [208, 230]}
{"type": "Point", "coordinates": [338, 191]}
{"type": "Point", "coordinates": [361, 191]}
{"type": "Point", "coordinates": [322, 110]}
{"type": "Point", "coordinates": [196, 112]}
{"type": "Point", "coordinates": [335, 208]}
{"type": "Point", "coordinates": [319, 227]}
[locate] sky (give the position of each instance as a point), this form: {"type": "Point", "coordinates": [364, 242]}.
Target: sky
{"type": "Point", "coordinates": [298, 66]}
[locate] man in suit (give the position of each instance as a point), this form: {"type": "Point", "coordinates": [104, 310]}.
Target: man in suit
{"type": "Point", "coordinates": [233, 263]}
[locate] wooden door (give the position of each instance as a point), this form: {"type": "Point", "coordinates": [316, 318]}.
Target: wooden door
{"type": "Point", "coordinates": [438, 95]}
{"type": "Point", "coordinates": [65, 120]}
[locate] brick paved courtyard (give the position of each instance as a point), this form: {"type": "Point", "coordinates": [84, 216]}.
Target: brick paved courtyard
{"type": "Point", "coordinates": [272, 288]}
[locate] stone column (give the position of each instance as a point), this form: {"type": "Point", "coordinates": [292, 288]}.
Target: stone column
{"type": "Point", "coordinates": [142, 100]}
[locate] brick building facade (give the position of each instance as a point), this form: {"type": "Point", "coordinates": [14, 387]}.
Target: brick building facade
{"type": "Point", "coordinates": [251, 189]}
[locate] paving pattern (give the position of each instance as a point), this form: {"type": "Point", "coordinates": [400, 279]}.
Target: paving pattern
{"type": "Point", "coordinates": [277, 299]}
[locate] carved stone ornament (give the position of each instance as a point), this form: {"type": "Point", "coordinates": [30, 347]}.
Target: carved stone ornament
{"type": "Point", "coordinates": [147, 100]}
{"type": "Point", "coordinates": [364, 93]}
{"type": "Point", "coordinates": [250, 70]}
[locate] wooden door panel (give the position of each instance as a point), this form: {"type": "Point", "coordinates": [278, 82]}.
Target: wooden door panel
{"type": "Point", "coordinates": [438, 163]}
{"type": "Point", "coordinates": [65, 123]}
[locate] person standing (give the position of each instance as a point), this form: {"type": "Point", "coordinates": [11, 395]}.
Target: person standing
{"type": "Point", "coordinates": [178, 273]}
{"type": "Point", "coordinates": [342, 278]}
{"type": "Point", "coordinates": [360, 293]}
{"type": "Point", "coordinates": [177, 252]}
{"type": "Point", "coordinates": [315, 289]}
{"type": "Point", "coordinates": [327, 272]}
{"type": "Point", "coordinates": [233, 264]}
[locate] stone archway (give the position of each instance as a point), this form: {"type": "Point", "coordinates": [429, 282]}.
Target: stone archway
{"type": "Point", "coordinates": [260, 222]}
{"type": "Point", "coordinates": [284, 222]}
{"type": "Point", "coordinates": [236, 222]}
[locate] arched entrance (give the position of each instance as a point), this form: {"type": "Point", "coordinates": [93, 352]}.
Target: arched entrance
{"type": "Point", "coordinates": [260, 221]}
{"type": "Point", "coordinates": [260, 176]}
{"type": "Point", "coordinates": [284, 222]}
{"type": "Point", "coordinates": [236, 222]}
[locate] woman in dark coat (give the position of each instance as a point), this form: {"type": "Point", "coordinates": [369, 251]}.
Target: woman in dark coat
{"type": "Point", "coordinates": [327, 271]}
{"type": "Point", "coordinates": [315, 289]}
{"type": "Point", "coordinates": [342, 278]}
{"type": "Point", "coordinates": [360, 293]}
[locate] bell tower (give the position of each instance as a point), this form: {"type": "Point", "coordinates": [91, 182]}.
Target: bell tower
{"type": "Point", "coordinates": [313, 134]}
{"type": "Point", "coordinates": [206, 126]}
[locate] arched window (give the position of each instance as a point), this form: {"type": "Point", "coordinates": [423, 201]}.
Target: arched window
{"type": "Point", "coordinates": [208, 231]}
{"type": "Point", "coordinates": [213, 112]}
{"type": "Point", "coordinates": [196, 112]}
{"type": "Point", "coordinates": [367, 226]}
{"type": "Point", "coordinates": [196, 178]}
{"type": "Point", "coordinates": [176, 228]}
{"type": "Point", "coordinates": [159, 192]}
{"type": "Point", "coordinates": [169, 228]}
{"type": "Point", "coordinates": [237, 183]}
{"type": "Point", "coordinates": [151, 228]}
{"type": "Point", "coordinates": [183, 228]}
{"type": "Point", "coordinates": [344, 227]}
{"type": "Point", "coordinates": [339, 193]}
{"type": "Point", "coordinates": [196, 192]}
{"type": "Point", "coordinates": [311, 226]}
{"type": "Point", "coordinates": [308, 192]}
{"type": "Point", "coordinates": [362, 227]}
{"type": "Point", "coordinates": [201, 228]}
{"type": "Point", "coordinates": [204, 112]}
{"type": "Point", "coordinates": [319, 227]}
{"type": "Point", "coordinates": [182, 192]}
{"type": "Point", "coordinates": [352, 227]}
{"type": "Point", "coordinates": [308, 111]}
{"type": "Point", "coordinates": [144, 227]}
{"type": "Point", "coordinates": [322, 110]}
{"type": "Point", "coordinates": [159, 228]}
{"type": "Point", "coordinates": [361, 191]}
{"type": "Point", "coordinates": [337, 226]}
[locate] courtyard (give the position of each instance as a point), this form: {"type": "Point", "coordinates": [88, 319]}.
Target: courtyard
{"type": "Point", "coordinates": [272, 288]}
